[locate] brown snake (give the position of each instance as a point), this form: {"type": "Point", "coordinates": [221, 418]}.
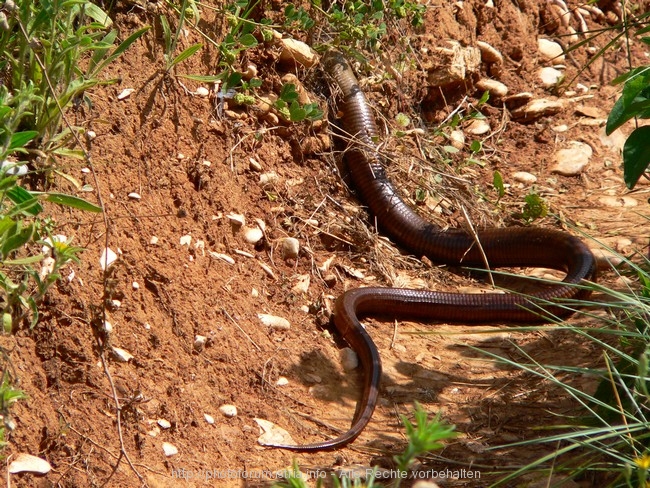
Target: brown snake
{"type": "Point", "coordinates": [514, 247]}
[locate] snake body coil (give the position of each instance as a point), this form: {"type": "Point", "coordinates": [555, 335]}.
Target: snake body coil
{"type": "Point", "coordinates": [513, 247]}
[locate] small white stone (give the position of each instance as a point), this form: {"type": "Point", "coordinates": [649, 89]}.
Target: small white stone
{"type": "Point", "coordinates": [135, 285]}
{"type": "Point", "coordinates": [550, 50]}
{"type": "Point", "coordinates": [122, 355]}
{"type": "Point", "coordinates": [107, 258]}
{"type": "Point", "coordinates": [228, 410]}
{"type": "Point", "coordinates": [199, 342]}
{"type": "Point", "coordinates": [126, 93]}
{"type": "Point", "coordinates": [494, 87]}
{"type": "Point", "coordinates": [489, 54]}
{"type": "Point", "coordinates": [274, 322]}
{"type": "Point", "coordinates": [254, 164]}
{"type": "Point", "coordinates": [549, 77]}
{"type": "Point", "coordinates": [302, 284]}
{"type": "Point", "coordinates": [572, 160]}
{"type": "Point", "coordinates": [524, 177]}
{"type": "Point", "coordinates": [282, 381]}
{"type": "Point", "coordinates": [153, 241]}
{"type": "Point", "coordinates": [269, 179]}
{"type": "Point", "coordinates": [108, 327]}
{"type": "Point", "coordinates": [185, 240]}
{"type": "Point", "coordinates": [537, 108]}
{"type": "Point", "coordinates": [26, 463]}
{"type": "Point", "coordinates": [208, 418]}
{"type": "Point", "coordinates": [202, 91]}
{"type": "Point", "coordinates": [116, 303]}
{"type": "Point", "coordinates": [478, 127]}
{"type": "Point", "coordinates": [622, 201]}
{"type": "Point", "coordinates": [457, 139]}
{"type": "Point", "coordinates": [164, 423]}
{"type": "Point", "coordinates": [560, 129]}
{"type": "Point", "coordinates": [236, 220]}
{"type": "Point", "coordinates": [169, 449]}
{"type": "Point", "coordinates": [298, 51]}
{"type": "Point", "coordinates": [349, 359]}
{"type": "Point", "coordinates": [253, 235]}
{"type": "Point", "coordinates": [85, 170]}
{"type": "Point", "coordinates": [91, 135]}
{"type": "Point", "coordinates": [134, 196]}
{"type": "Point", "coordinates": [222, 257]}
{"type": "Point", "coordinates": [290, 248]}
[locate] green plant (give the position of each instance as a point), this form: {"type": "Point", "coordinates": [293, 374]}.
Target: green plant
{"type": "Point", "coordinates": [8, 396]}
{"type": "Point", "coordinates": [609, 438]}
{"type": "Point", "coordinates": [634, 101]}
{"type": "Point", "coordinates": [423, 437]}
{"type": "Point", "coordinates": [44, 45]}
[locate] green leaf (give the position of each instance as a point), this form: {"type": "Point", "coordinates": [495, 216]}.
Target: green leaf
{"type": "Point", "coordinates": [97, 14]}
{"type": "Point", "coordinates": [248, 40]}
{"type": "Point", "coordinates": [118, 51]}
{"type": "Point", "coordinates": [24, 199]}
{"type": "Point", "coordinates": [475, 146]}
{"type": "Point", "coordinates": [636, 155]}
{"type": "Point", "coordinates": [19, 139]}
{"type": "Point", "coordinates": [23, 261]}
{"type": "Point", "coordinates": [296, 112]}
{"type": "Point", "coordinates": [203, 78]}
{"type": "Point", "coordinates": [497, 181]}
{"type": "Point", "coordinates": [185, 54]}
{"type": "Point", "coordinates": [15, 238]}
{"type": "Point", "coordinates": [69, 201]}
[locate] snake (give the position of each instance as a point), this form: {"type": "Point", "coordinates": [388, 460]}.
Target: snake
{"type": "Point", "coordinates": [500, 247]}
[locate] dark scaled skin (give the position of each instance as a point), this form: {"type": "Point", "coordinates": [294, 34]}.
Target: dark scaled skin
{"type": "Point", "coordinates": [502, 247]}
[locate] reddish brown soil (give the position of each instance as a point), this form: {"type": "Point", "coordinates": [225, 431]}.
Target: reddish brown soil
{"type": "Point", "coordinates": [192, 168]}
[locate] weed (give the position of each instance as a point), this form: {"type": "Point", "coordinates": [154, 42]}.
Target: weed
{"type": "Point", "coordinates": [423, 436]}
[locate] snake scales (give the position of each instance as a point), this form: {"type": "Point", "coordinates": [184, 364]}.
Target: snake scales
{"type": "Point", "coordinates": [502, 247]}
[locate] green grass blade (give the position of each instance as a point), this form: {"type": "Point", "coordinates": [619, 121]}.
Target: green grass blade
{"type": "Point", "coordinates": [185, 54]}
{"type": "Point", "coordinates": [69, 201]}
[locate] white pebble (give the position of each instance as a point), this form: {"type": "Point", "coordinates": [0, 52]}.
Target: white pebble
{"type": "Point", "coordinates": [199, 342]}
{"type": "Point", "coordinates": [169, 449]}
{"type": "Point", "coordinates": [573, 159]}
{"type": "Point", "coordinates": [274, 322]}
{"type": "Point", "coordinates": [135, 285]}
{"type": "Point", "coordinates": [494, 87]}
{"type": "Point", "coordinates": [153, 241]}
{"type": "Point", "coordinates": [524, 177]}
{"type": "Point", "coordinates": [26, 463]}
{"type": "Point", "coordinates": [202, 91]}
{"type": "Point", "coordinates": [269, 179]}
{"type": "Point", "coordinates": [254, 165]}
{"type": "Point", "coordinates": [208, 418]}
{"type": "Point", "coordinates": [107, 258]}
{"type": "Point", "coordinates": [228, 410]}
{"type": "Point", "coordinates": [302, 284]}
{"type": "Point", "coordinates": [282, 381]}
{"type": "Point", "coordinates": [253, 235]}
{"type": "Point", "coordinates": [91, 135]}
{"type": "Point", "coordinates": [549, 77]}
{"type": "Point", "coordinates": [349, 359]}
{"type": "Point", "coordinates": [164, 424]}
{"type": "Point", "coordinates": [134, 196]}
{"type": "Point", "coordinates": [550, 50]}
{"type": "Point", "coordinates": [478, 127]}
{"type": "Point", "coordinates": [126, 93]}
{"type": "Point", "coordinates": [185, 240]}
{"type": "Point", "coordinates": [122, 355]}
{"type": "Point", "coordinates": [457, 139]}
{"type": "Point", "coordinates": [290, 248]}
